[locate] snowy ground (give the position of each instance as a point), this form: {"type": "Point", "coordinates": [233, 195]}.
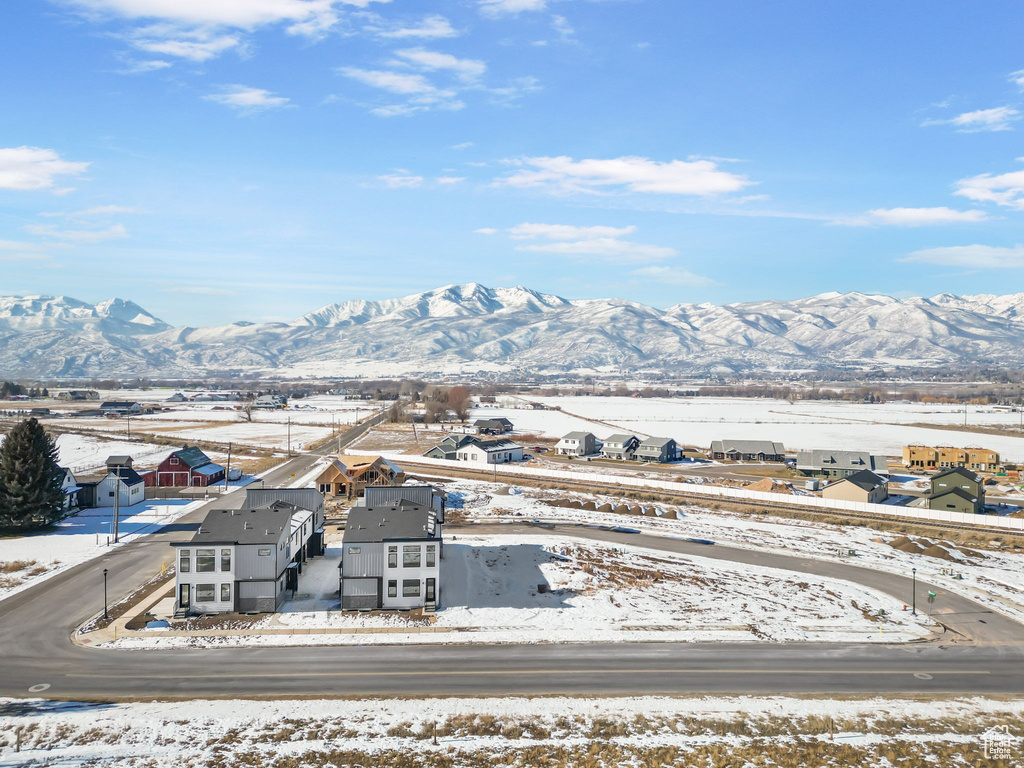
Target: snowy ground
{"type": "Point", "coordinates": [799, 425]}
{"type": "Point", "coordinates": [561, 732]}
{"type": "Point", "coordinates": [79, 538]}
{"type": "Point", "coordinates": [85, 453]}
{"type": "Point", "coordinates": [529, 589]}
{"type": "Point", "coordinates": [995, 578]}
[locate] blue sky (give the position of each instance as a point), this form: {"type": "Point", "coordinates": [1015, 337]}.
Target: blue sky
{"type": "Point", "coordinates": [218, 160]}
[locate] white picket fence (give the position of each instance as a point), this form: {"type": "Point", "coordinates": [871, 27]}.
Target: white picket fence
{"type": "Point", "coordinates": [720, 492]}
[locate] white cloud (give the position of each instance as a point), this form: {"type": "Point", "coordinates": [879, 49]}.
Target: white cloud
{"type": "Point", "coordinates": [563, 29]}
{"type": "Point", "coordinates": [603, 247]}
{"type": "Point", "coordinates": [400, 180]}
{"type": "Point", "coordinates": [423, 95]}
{"type": "Point", "coordinates": [463, 145]}
{"type": "Point", "coordinates": [246, 99]}
{"type": "Point", "coordinates": [516, 89]}
{"type": "Point", "coordinates": [202, 29]}
{"type": "Point", "coordinates": [16, 245]}
{"type": "Point", "coordinates": [1017, 78]}
{"type": "Point", "coordinates": [243, 14]}
{"type": "Point", "coordinates": [501, 7]}
{"type": "Point", "coordinates": [27, 168]}
{"type": "Point", "coordinates": [975, 256]}
{"type": "Point", "coordinates": [430, 27]}
{"type": "Point", "coordinates": [914, 217]}
{"type": "Point", "coordinates": [995, 119]}
{"type": "Point", "coordinates": [466, 69]}
{"type": "Point", "coordinates": [98, 210]}
{"type": "Point", "coordinates": [115, 232]}
{"type": "Point", "coordinates": [1003, 189]}
{"type": "Point", "coordinates": [598, 241]}
{"type": "Point", "coordinates": [673, 276]}
{"type": "Point", "coordinates": [635, 174]}
{"type": "Point", "coordinates": [447, 180]}
{"type": "Point", "coordinates": [139, 67]}
{"type": "Point", "coordinates": [530, 231]}
{"type": "Point", "coordinates": [487, 231]}
{"type": "Point", "coordinates": [10, 258]}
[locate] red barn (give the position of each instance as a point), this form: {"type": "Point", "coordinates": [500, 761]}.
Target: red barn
{"type": "Point", "coordinates": [189, 466]}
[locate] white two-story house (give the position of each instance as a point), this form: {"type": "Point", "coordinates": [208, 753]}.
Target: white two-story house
{"type": "Point", "coordinates": [391, 558]}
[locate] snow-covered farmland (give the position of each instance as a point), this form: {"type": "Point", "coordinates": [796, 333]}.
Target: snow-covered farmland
{"type": "Point", "coordinates": [78, 538]}
{"type": "Point", "coordinates": [82, 453]}
{"type": "Point", "coordinates": [515, 732]}
{"type": "Point", "coordinates": [994, 578]}
{"type": "Point", "coordinates": [799, 425]}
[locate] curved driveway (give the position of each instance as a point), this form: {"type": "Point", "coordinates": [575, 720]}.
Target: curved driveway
{"type": "Point", "coordinates": [35, 647]}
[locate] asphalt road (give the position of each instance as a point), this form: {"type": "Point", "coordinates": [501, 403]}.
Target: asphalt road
{"type": "Point", "coordinates": [36, 650]}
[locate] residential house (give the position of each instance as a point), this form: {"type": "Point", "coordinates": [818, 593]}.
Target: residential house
{"type": "Point", "coordinates": [125, 482]}
{"type": "Point", "coordinates": [69, 485]}
{"type": "Point", "coordinates": [422, 495]}
{"type": "Point", "coordinates": [391, 558]}
{"type": "Point", "coordinates": [490, 452]}
{"type": "Point", "coordinates": [348, 476]}
{"type": "Point", "coordinates": [449, 447]}
{"type": "Point", "coordinates": [78, 395]}
{"type": "Point", "coordinates": [188, 467]}
{"type": "Point", "coordinates": [747, 450]}
{"type": "Point", "coordinates": [270, 402]}
{"type": "Point", "coordinates": [577, 444]}
{"type": "Point", "coordinates": [657, 449]}
{"type": "Point", "coordinates": [958, 490]}
{"type": "Point", "coordinates": [177, 397]}
{"type": "Point", "coordinates": [119, 408]}
{"type": "Point", "coordinates": [838, 464]}
{"type": "Point", "coordinates": [620, 447]}
{"type": "Point", "coordinates": [499, 426]}
{"type": "Point", "coordinates": [865, 485]}
{"type": "Point", "coordinates": [945, 457]}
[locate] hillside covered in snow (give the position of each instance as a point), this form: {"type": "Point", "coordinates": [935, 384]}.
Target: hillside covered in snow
{"type": "Point", "coordinates": [471, 327]}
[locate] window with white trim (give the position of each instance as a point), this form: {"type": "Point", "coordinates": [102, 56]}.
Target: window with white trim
{"type": "Point", "coordinates": [206, 561]}
{"type": "Point", "coordinates": [411, 556]}
{"type": "Point", "coordinates": [411, 588]}
{"type": "Point", "coordinates": [205, 593]}
{"type": "Point", "coordinates": [225, 593]}
{"type": "Point", "coordinates": [392, 557]}
{"type": "Point", "coordinates": [225, 559]}
{"type": "Point", "coordinates": [431, 555]}
{"type": "Point", "coordinates": [392, 589]}
{"type": "Point", "coordinates": [185, 561]}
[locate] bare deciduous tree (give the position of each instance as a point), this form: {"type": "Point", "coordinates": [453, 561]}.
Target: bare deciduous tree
{"type": "Point", "coordinates": [245, 411]}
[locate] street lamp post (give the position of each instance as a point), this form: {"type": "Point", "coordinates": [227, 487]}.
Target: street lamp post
{"type": "Point", "coordinates": [106, 616]}
{"type": "Point", "coordinates": [914, 599]}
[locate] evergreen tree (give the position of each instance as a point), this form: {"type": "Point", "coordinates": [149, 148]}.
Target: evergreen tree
{"type": "Point", "coordinates": [30, 480]}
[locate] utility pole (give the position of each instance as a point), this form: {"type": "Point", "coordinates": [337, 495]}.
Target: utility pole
{"type": "Point", "coordinates": [228, 472]}
{"type": "Point", "coordinates": [105, 614]}
{"type": "Point", "coordinates": [129, 426]}
{"type": "Point", "coordinates": [289, 437]}
{"type": "Point", "coordinates": [117, 502]}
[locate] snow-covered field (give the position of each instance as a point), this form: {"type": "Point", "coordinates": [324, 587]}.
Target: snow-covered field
{"type": "Point", "coordinates": [994, 579]}
{"type": "Point", "coordinates": [803, 424]}
{"type": "Point", "coordinates": [83, 453]}
{"type": "Point", "coordinates": [515, 732]}
{"type": "Point", "coordinates": [79, 538]}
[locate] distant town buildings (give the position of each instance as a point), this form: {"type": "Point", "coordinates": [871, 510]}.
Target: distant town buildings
{"type": "Point", "coordinates": [944, 457]}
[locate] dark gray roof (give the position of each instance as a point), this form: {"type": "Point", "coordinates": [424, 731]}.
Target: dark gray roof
{"type": "Point", "coordinates": [866, 479]}
{"type": "Point", "coordinates": [960, 492]}
{"type": "Point", "coordinates": [404, 521]}
{"type": "Point", "coordinates": [656, 442]}
{"type": "Point", "coordinates": [498, 445]}
{"type": "Point", "coordinates": [823, 459]}
{"type": "Point", "coordinates": [118, 404]}
{"type": "Point", "coordinates": [307, 498]}
{"type": "Point", "coordinates": [620, 438]}
{"type": "Point", "coordinates": [499, 421]}
{"type": "Point", "coordinates": [236, 526]}
{"type": "Point", "coordinates": [192, 457]}
{"type": "Point", "coordinates": [577, 435]}
{"type": "Point", "coordinates": [965, 473]}
{"type": "Point", "coordinates": [128, 475]}
{"type": "Point", "coordinates": [767, 447]}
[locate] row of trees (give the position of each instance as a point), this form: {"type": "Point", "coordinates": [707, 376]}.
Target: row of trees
{"type": "Point", "coordinates": [438, 404]}
{"type": "Point", "coordinates": [30, 479]}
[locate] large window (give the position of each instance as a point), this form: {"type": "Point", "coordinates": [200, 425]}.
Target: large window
{"type": "Point", "coordinates": [392, 557]}
{"type": "Point", "coordinates": [225, 593]}
{"type": "Point", "coordinates": [225, 559]}
{"type": "Point", "coordinates": [206, 561]}
{"type": "Point", "coordinates": [431, 555]}
{"type": "Point", "coordinates": [205, 593]}
{"type": "Point", "coordinates": [411, 588]}
{"type": "Point", "coordinates": [392, 589]}
{"type": "Point", "coordinates": [411, 556]}
{"type": "Point", "coordinates": [185, 561]}
{"type": "Point", "coordinates": [264, 552]}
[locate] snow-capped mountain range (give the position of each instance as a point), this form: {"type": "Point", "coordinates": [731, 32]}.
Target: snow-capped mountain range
{"type": "Point", "coordinates": [471, 327]}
